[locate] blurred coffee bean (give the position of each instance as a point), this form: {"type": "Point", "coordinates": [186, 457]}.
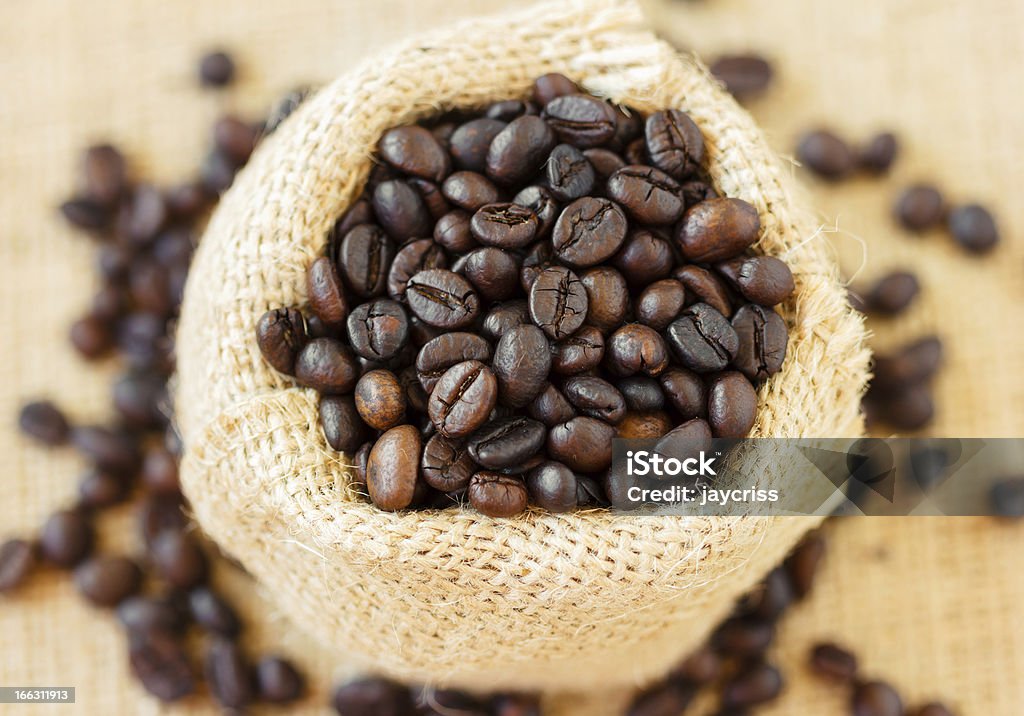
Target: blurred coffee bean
{"type": "Point", "coordinates": [743, 637]}
{"type": "Point", "coordinates": [834, 662]}
{"type": "Point", "coordinates": [893, 293]}
{"type": "Point", "coordinates": [803, 563]}
{"type": "Point", "coordinates": [703, 666]}
{"type": "Point", "coordinates": [1007, 498]}
{"type": "Point", "coordinates": [879, 153]}
{"type": "Point", "coordinates": [920, 207]}
{"type": "Point", "coordinates": [178, 559]}
{"type": "Point", "coordinates": [235, 138]}
{"type": "Point", "coordinates": [143, 614]}
{"type": "Point", "coordinates": [160, 663]}
{"type": "Point", "coordinates": [216, 69]}
{"type": "Point", "coordinates": [85, 213]}
{"type": "Point", "coordinates": [91, 337]}
{"type": "Point", "coordinates": [974, 228]}
{"type": "Point", "coordinates": [212, 613]}
{"type": "Point", "coordinates": [66, 538]}
{"type": "Point", "coordinates": [745, 76]}
{"type": "Point", "coordinates": [931, 709]}
{"type": "Point", "coordinates": [667, 699]}
{"type": "Point", "coordinates": [105, 173]}
{"type": "Point", "coordinates": [372, 697]}
{"type": "Point", "coordinates": [98, 489]}
{"type": "Point", "coordinates": [278, 681]}
{"type": "Point", "coordinates": [228, 675]}
{"type": "Point", "coordinates": [17, 559]}
{"type": "Point", "coordinates": [44, 421]}
{"type": "Point", "coordinates": [826, 154]}
{"type": "Point", "coordinates": [909, 365]}
{"type": "Point", "coordinates": [106, 581]}
{"type": "Point", "coordinates": [875, 698]}
{"type": "Point", "coordinates": [755, 684]}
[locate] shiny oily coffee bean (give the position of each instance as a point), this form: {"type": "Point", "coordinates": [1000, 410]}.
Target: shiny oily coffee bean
{"type": "Point", "coordinates": [452, 232]}
{"type": "Point", "coordinates": [17, 558]}
{"type": "Point", "coordinates": [522, 361]}
{"type": "Point", "coordinates": [732, 405]}
{"type": "Point", "coordinates": [595, 397]}
{"type": "Point", "coordinates": [228, 674]}
{"type": "Point", "coordinates": [605, 163]}
{"type": "Point", "coordinates": [327, 366]}
{"type": "Point", "coordinates": [875, 698]}
{"type": "Point", "coordinates": [506, 442]}
{"type": "Point", "coordinates": [414, 150]}
{"type": "Point", "coordinates": [380, 399]}
{"type": "Point", "coordinates": [442, 298]}
{"type": "Point", "coordinates": [550, 407]}
{"type": "Point", "coordinates": [412, 258]}
{"type": "Point", "coordinates": [636, 348]}
{"type": "Point", "coordinates": [826, 154]}
{"type": "Point", "coordinates": [589, 231]}
{"type": "Point", "coordinates": [764, 280]}
{"type": "Point", "coordinates": [507, 226]}
{"type": "Point", "coordinates": [504, 317]}
{"type": "Point", "coordinates": [160, 663]}
{"type": "Point", "coordinates": [834, 662]}
{"type": "Point", "coordinates": [649, 195]}
{"type": "Point", "coordinates": [432, 196]}
{"type": "Point", "coordinates": [879, 153]}
{"type": "Point", "coordinates": [558, 302]}
{"type": "Point", "coordinates": [543, 204]}
{"type": "Point", "coordinates": [756, 684]}
{"type": "Point", "coordinates": [401, 211]}
{"type": "Point", "coordinates": [582, 443]}
{"type": "Point", "coordinates": [920, 207]}
{"type": "Point", "coordinates": [648, 425]}
{"type": "Point", "coordinates": [508, 109]}
{"type": "Point", "coordinates": [552, 487]}
{"type": "Point", "coordinates": [280, 335]}
{"type": "Point", "coordinates": [660, 303]}
{"type": "Point", "coordinates": [360, 212]}
{"type": "Point", "coordinates": [493, 272]}
{"type": "Point", "coordinates": [441, 353]}
{"type": "Point", "coordinates": [644, 258]}
{"type": "Point", "coordinates": [105, 581]}
{"type": "Point", "coordinates": [717, 229]}
{"type": "Point", "coordinates": [762, 337]}
{"type": "Point", "coordinates": [548, 87]}
{"type": "Point", "coordinates": [642, 393]}
{"type": "Point", "coordinates": [674, 143]}
{"type": "Point", "coordinates": [469, 190]}
{"type": "Point", "coordinates": [393, 468]}
{"type": "Point", "coordinates": [745, 75]}
{"type": "Point", "coordinates": [685, 391]}
{"type": "Point", "coordinates": [67, 538]}
{"type": "Point", "coordinates": [519, 150]}
{"type": "Point", "coordinates": [570, 175]}
{"type": "Point", "coordinates": [702, 339]}
{"type": "Point", "coordinates": [463, 399]}
{"type": "Point", "coordinates": [974, 228]}
{"type": "Point", "coordinates": [580, 352]}
{"type": "Point", "coordinates": [178, 559]}
{"type": "Point", "coordinates": [581, 120]}
{"type": "Point", "coordinates": [607, 297]}
{"type": "Point", "coordinates": [497, 495]}
{"type": "Point", "coordinates": [470, 141]}
{"type": "Point", "coordinates": [364, 257]}
{"type": "Point", "coordinates": [212, 613]}
{"type": "Point", "coordinates": [893, 293]}
{"type": "Point", "coordinates": [378, 330]}
{"type": "Point", "coordinates": [343, 427]}
{"type": "Point", "coordinates": [446, 464]}
{"type": "Point", "coordinates": [326, 294]}
{"type": "Point", "coordinates": [685, 441]}
{"type": "Point", "coordinates": [278, 681]}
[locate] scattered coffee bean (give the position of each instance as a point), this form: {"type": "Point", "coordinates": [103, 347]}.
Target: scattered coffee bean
{"type": "Point", "coordinates": [920, 207]}
{"type": "Point", "coordinates": [45, 422]}
{"type": "Point", "coordinates": [212, 613]}
{"type": "Point", "coordinates": [834, 662]}
{"type": "Point", "coordinates": [932, 709]}
{"type": "Point", "coordinates": [974, 228]}
{"type": "Point", "coordinates": [216, 69]}
{"type": "Point", "coordinates": [278, 681]}
{"type": "Point", "coordinates": [911, 364]}
{"type": "Point", "coordinates": [666, 699]}
{"type": "Point", "coordinates": [875, 698]}
{"type": "Point", "coordinates": [372, 697]}
{"type": "Point", "coordinates": [160, 663]}
{"type": "Point", "coordinates": [745, 76]}
{"type": "Point", "coordinates": [17, 558]}
{"type": "Point", "coordinates": [106, 581]}
{"type": "Point", "coordinates": [879, 153]}
{"type": "Point", "coordinates": [893, 293]}
{"type": "Point", "coordinates": [178, 559]}
{"type": "Point", "coordinates": [756, 684]}
{"type": "Point", "coordinates": [826, 154]}
{"type": "Point", "coordinates": [1007, 498]}
{"type": "Point", "coordinates": [228, 674]}
{"type": "Point", "coordinates": [803, 563]}
{"type": "Point", "coordinates": [67, 538]}
{"type": "Point", "coordinates": [143, 615]}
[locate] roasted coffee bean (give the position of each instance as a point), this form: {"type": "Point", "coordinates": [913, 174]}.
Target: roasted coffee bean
{"type": "Point", "coordinates": [509, 109]}
{"type": "Point", "coordinates": [228, 674]}
{"type": "Point", "coordinates": [732, 405]}
{"type": "Point", "coordinates": [506, 442]}
{"type": "Point", "coordinates": [327, 365]}
{"type": "Point", "coordinates": [834, 662]}
{"type": "Point", "coordinates": [685, 441]}
{"type": "Point", "coordinates": [286, 106]}
{"type": "Point", "coordinates": [469, 190]}
{"type": "Point", "coordinates": [469, 143]}
{"type": "Point", "coordinates": [581, 120]}
{"type": "Point", "coordinates": [674, 143]}
{"type": "Point", "coordinates": [235, 138]}
{"type": "Point", "coordinates": [452, 232]}
{"type": "Point", "coordinates": [552, 486]}
{"type": "Point", "coordinates": [217, 172]}
{"type": "Point", "coordinates": [212, 613]}
{"type": "Point", "coordinates": [548, 87]}
{"type": "Point", "coordinates": [463, 398]}
{"type": "Point", "coordinates": [17, 558]}
{"type": "Point", "coordinates": [825, 154]}
{"type": "Point", "coordinates": [660, 303]}
{"type": "Point", "coordinates": [696, 191]}
{"type": "Point", "coordinates": [702, 667]}
{"type": "Point", "coordinates": [142, 615]}
{"type": "Point", "coordinates": [875, 698]}
{"type": "Point", "coordinates": [522, 361]}
{"type": "Point", "coordinates": [702, 286]}
{"type": "Point", "coordinates": [377, 331]}
{"type": "Point", "coordinates": [551, 407]}
{"type": "Point", "coordinates": [364, 256]}
{"type": "Point", "coordinates": [879, 153]}
{"type": "Point", "coordinates": [343, 427]}
{"type": "Point", "coordinates": [393, 468]}
{"type": "Point", "coordinates": [105, 174]}
{"type": "Point", "coordinates": [433, 198]}
{"type": "Point", "coordinates": [91, 337]}
{"type": "Point", "coordinates": [558, 302]}
{"type": "Point", "coordinates": [414, 150]}
{"type": "Point", "coordinates": [1007, 498]}
{"type": "Point", "coordinates": [605, 163]}
{"type": "Point", "coordinates": [372, 697]}
{"type": "Point", "coordinates": [326, 294]}
{"type": "Point", "coordinates": [507, 226]}
{"type": "Point", "coordinates": [178, 559]}
{"type": "Point", "coordinates": [67, 538]}
{"type": "Point", "coordinates": [762, 340]}
{"type": "Point", "coordinates": [141, 399]}
{"type": "Point", "coordinates": [380, 399]}
{"type": "Point", "coordinates": [570, 175]}
{"type": "Point", "coordinates": [415, 396]}
{"type": "Point", "coordinates": [893, 293]}
{"type": "Point", "coordinates": [717, 229]}
{"type": "Point", "coordinates": [920, 207]}
{"type": "Point", "coordinates": [642, 393]}
{"type": "Point", "coordinates": [802, 565]}
{"type": "Point", "coordinates": [105, 581]}
{"type": "Point", "coordinates": [518, 151]}
{"type": "Point", "coordinates": [497, 495]}
{"type": "Point", "coordinates": [636, 348]}
{"type": "Point", "coordinates": [756, 684]}
{"type": "Point", "coordinates": [648, 195]}
{"type": "Point", "coordinates": [932, 709]}
{"type": "Point", "coordinates": [442, 298]}
{"type": "Point", "coordinates": [278, 681]}
{"type": "Point", "coordinates": [360, 461]}
{"type": "Point", "coordinates": [446, 464]}
{"type": "Point", "coordinates": [607, 297]}
{"type": "Point", "coordinates": [647, 425]}
{"type": "Point", "coordinates": [908, 409]}
{"type": "Point", "coordinates": [159, 514]}
{"type": "Point", "coordinates": [629, 125]}
{"type": "Point", "coordinates": [582, 443]}
{"type": "Point", "coordinates": [595, 397]}
{"type": "Point", "coordinates": [667, 699]}
{"type": "Point", "coordinates": [493, 272]}
{"type": "Point", "coordinates": [45, 422]}
{"type": "Point", "coordinates": [589, 492]}
{"type": "Point", "coordinates": [543, 204]}
{"type": "Point", "coordinates": [216, 69]}
{"type": "Point", "coordinates": [504, 317]}
{"type": "Point", "coordinates": [765, 280]}
{"type": "Point", "coordinates": [401, 211]}
{"type": "Point", "coordinates": [743, 637]}
{"type": "Point", "coordinates": [441, 353]}
{"type": "Point", "coordinates": [745, 75]}
{"type": "Point", "coordinates": [160, 663]}
{"type": "Point", "coordinates": [974, 228]}
{"type": "Point", "coordinates": [580, 352]}
{"type": "Point", "coordinates": [773, 599]}
{"type": "Point", "coordinates": [589, 231]}
{"type": "Point", "coordinates": [280, 335]}
{"type": "Point", "coordinates": [412, 258]}
{"type": "Point", "coordinates": [685, 391]}
{"type": "Point", "coordinates": [85, 213]}
{"type": "Point", "coordinates": [911, 364]}
{"type": "Point", "coordinates": [644, 258]}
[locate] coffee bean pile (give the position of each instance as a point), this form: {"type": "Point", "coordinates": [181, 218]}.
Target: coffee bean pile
{"type": "Point", "coordinates": [519, 286]}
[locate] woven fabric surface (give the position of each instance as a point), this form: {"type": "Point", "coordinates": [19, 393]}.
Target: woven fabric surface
{"type": "Point", "coordinates": [928, 601]}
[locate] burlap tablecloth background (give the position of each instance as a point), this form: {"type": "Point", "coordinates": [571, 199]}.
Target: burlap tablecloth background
{"type": "Point", "coordinates": [934, 603]}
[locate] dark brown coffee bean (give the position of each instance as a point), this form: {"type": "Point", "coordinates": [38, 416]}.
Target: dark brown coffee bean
{"type": "Point", "coordinates": [696, 191]}
{"type": "Point", "coordinates": [636, 348]}
{"type": "Point", "coordinates": [432, 196]}
{"type": "Point", "coordinates": [504, 317]}
{"type": "Point", "coordinates": [605, 163]}
{"type": "Point", "coordinates": [497, 495]}
{"type": "Point", "coordinates": [160, 663]}
{"type": "Point", "coordinates": [674, 143]}
{"type": "Point", "coordinates": [401, 211]}
{"type": "Point", "coordinates": [665, 699]}
{"type": "Point", "coordinates": [441, 353]}
{"type": "Point", "coordinates": [217, 172]}
{"type": "Point", "coordinates": [825, 154]}
{"type": "Point", "coordinates": [920, 207]}
{"type": "Point", "coordinates": [67, 538]}
{"type": "Point", "coordinates": [646, 425]}
{"type": "Point", "coordinates": [702, 339]}
{"type": "Point", "coordinates": [552, 486]}
{"type": "Point", "coordinates": [732, 405]}
{"type": "Point", "coordinates": [280, 335]}
{"type": "Point", "coordinates": [644, 258]}
{"type": "Point", "coordinates": [581, 120]}
{"type": "Point", "coordinates": [702, 286]}
{"type": "Point", "coordinates": [911, 364]}
{"type": "Point", "coordinates": [685, 441]}
{"type": "Point", "coordinates": [91, 337]}
{"type": "Point", "coordinates": [105, 581]}
{"type": "Point", "coordinates": [326, 294]}
{"type": "Point", "coordinates": [493, 272]}
{"type": "Point", "coordinates": [377, 331]}
{"type": "Point", "coordinates": [372, 697]}
{"type": "Point", "coordinates": [286, 106]}
{"type": "Point", "coordinates": [932, 709]}
{"type": "Point", "coordinates": [414, 150]}
{"type": "Point", "coordinates": [834, 662]}
{"type": "Point", "coordinates": [582, 443]}
{"type": "Point", "coordinates": [974, 228]}
{"type": "Point", "coordinates": [342, 425]}
{"type": "Point", "coordinates": [278, 681]}
{"type": "Point", "coordinates": [1006, 498]}
{"type": "Point", "coordinates": [85, 213]}
{"type": "Point", "coordinates": [875, 698]}
{"type": "Point", "coordinates": [879, 153]}
{"type": "Point", "coordinates": [380, 399]}
{"type": "Point", "coordinates": [580, 352]}
{"type": "Point", "coordinates": [228, 674]}
{"type": "Point", "coordinates": [660, 303]}
{"type": "Point", "coordinates": [548, 87]}
{"type": "Point", "coordinates": [648, 195]}
{"type": "Point", "coordinates": [893, 293]}
{"type": "Point", "coordinates": [393, 468]}
{"type": "Point", "coordinates": [216, 69]}
{"type": "Point", "coordinates": [642, 393]}
{"type": "Point", "coordinates": [595, 397]}
{"type": "Point", "coordinates": [142, 615]}
{"type": "Point", "coordinates": [506, 442]}
{"type": "Point", "coordinates": [717, 229]}
{"type": "Point", "coordinates": [442, 298]}
{"type": "Point", "coordinates": [558, 302]}
{"type": "Point", "coordinates": [570, 175]}
{"type": "Point", "coordinates": [45, 422]}
{"type": "Point", "coordinates": [414, 257]}
{"type": "Point", "coordinates": [463, 399]}
{"type": "Point", "coordinates": [773, 598]}
{"type": "Point", "coordinates": [509, 109]}
{"type": "Point", "coordinates": [446, 464]}
{"type": "Point", "coordinates": [551, 407]}
{"type": "Point", "coordinates": [518, 151]}
{"type": "Point", "coordinates": [178, 559]}
{"type": "Point", "coordinates": [141, 399]}
{"type": "Point", "coordinates": [469, 190]}
{"type": "Point", "coordinates": [522, 361]}
{"type": "Point", "coordinates": [360, 461]}
{"type": "Point", "coordinates": [364, 257]}
{"type": "Point", "coordinates": [105, 174]}
{"type": "Point", "coordinates": [507, 226]}
{"type": "Point", "coordinates": [765, 280]}
{"type": "Point", "coordinates": [756, 684]}
{"type": "Point", "coordinates": [607, 297]}
{"type": "Point", "coordinates": [543, 204]}
{"type": "Point", "coordinates": [745, 76]}
{"type": "Point", "coordinates": [452, 232]}
{"type": "Point", "coordinates": [160, 513]}
{"type": "Point", "coordinates": [743, 637]}
{"type": "Point", "coordinates": [469, 143]}
{"type": "Point", "coordinates": [17, 558]}
{"type": "Point", "coordinates": [212, 613]}
{"type": "Point", "coordinates": [327, 365]}
{"type": "Point", "coordinates": [762, 340]}
{"type": "Point", "coordinates": [685, 391]}
{"type": "Point", "coordinates": [802, 565]}
{"type": "Point", "coordinates": [589, 231]}
{"type": "Point", "coordinates": [911, 408]}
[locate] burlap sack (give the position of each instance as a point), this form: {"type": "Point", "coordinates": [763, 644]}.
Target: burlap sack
{"type": "Point", "coordinates": [590, 598]}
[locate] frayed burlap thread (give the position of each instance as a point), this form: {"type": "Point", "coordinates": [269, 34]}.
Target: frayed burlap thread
{"type": "Point", "coordinates": [589, 599]}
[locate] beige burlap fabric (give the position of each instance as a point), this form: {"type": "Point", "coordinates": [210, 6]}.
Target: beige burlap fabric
{"type": "Point", "coordinates": [451, 597]}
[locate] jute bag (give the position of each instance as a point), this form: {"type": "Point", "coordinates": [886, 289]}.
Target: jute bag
{"type": "Point", "coordinates": [583, 600]}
